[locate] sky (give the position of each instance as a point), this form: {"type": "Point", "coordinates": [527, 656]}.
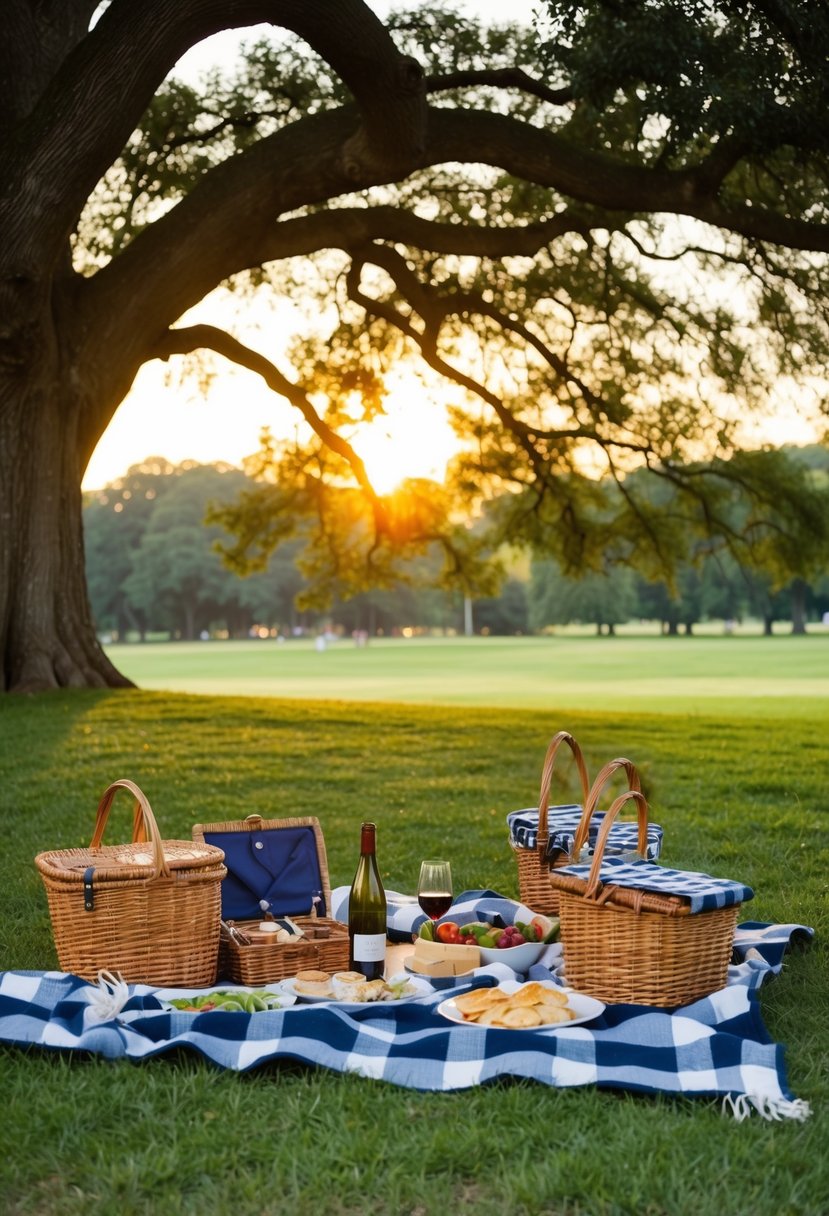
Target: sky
{"type": "Point", "coordinates": [168, 415]}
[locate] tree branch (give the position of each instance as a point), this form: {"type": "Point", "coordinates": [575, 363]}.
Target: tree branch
{"type": "Point", "coordinates": [209, 337]}
{"type": "Point", "coordinates": [550, 159]}
{"type": "Point", "coordinates": [500, 78]}
{"type": "Point", "coordinates": [175, 261]}
{"type": "Point", "coordinates": [434, 306]}
{"type": "Point", "coordinates": [200, 241]}
{"type": "Point", "coordinates": [95, 100]}
{"type": "Point", "coordinates": [527, 436]}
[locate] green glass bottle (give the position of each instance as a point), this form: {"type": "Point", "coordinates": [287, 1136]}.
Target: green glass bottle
{"type": "Point", "coordinates": [367, 911]}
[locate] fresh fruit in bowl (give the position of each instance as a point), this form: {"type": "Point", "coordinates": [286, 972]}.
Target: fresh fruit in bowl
{"type": "Point", "coordinates": [519, 945]}
{"type": "Point", "coordinates": [547, 927]}
{"type": "Point", "coordinates": [541, 930]}
{"type": "Point", "coordinates": [449, 933]}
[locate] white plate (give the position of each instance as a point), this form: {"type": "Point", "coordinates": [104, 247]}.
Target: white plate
{"type": "Point", "coordinates": [422, 988]}
{"type": "Point", "coordinates": [586, 1008]}
{"type": "Point", "coordinates": [168, 995]}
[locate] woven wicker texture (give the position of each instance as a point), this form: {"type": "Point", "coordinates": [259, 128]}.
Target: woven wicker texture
{"type": "Point", "coordinates": [261, 961]}
{"type": "Point", "coordinates": [635, 946]}
{"type": "Point", "coordinates": [149, 910]}
{"type": "Point", "coordinates": [534, 866]}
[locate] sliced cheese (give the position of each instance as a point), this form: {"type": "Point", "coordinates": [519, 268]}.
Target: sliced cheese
{"type": "Point", "coordinates": [438, 967]}
{"type": "Point", "coordinates": [467, 956]}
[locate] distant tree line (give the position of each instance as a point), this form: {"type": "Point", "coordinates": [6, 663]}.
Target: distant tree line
{"type": "Point", "coordinates": [153, 566]}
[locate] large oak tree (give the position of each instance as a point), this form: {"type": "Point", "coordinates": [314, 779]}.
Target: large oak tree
{"type": "Point", "coordinates": [116, 218]}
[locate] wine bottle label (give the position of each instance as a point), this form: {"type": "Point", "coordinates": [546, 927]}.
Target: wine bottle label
{"type": "Point", "coordinates": [369, 947]}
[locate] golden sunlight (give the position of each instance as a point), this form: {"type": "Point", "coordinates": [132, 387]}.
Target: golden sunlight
{"type": "Point", "coordinates": [412, 438]}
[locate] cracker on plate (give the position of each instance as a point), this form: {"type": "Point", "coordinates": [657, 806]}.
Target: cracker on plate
{"type": "Point", "coordinates": [531, 1004]}
{"type": "Point", "coordinates": [552, 1014]}
{"type": "Point", "coordinates": [479, 999]}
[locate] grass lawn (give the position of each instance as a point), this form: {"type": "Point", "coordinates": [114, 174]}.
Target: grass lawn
{"type": "Point", "coordinates": [737, 795]}
{"type": "Point", "coordinates": [781, 676]}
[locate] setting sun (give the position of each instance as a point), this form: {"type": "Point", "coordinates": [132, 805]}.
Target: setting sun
{"type": "Point", "coordinates": [412, 438]}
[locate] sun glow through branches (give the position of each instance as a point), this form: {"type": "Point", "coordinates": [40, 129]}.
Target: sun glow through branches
{"type": "Point", "coordinates": [412, 439]}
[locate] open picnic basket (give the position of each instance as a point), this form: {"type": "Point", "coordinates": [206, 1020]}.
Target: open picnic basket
{"type": "Point", "coordinates": [634, 945]}
{"type": "Point", "coordinates": [149, 910]}
{"type": "Point", "coordinates": [275, 868]}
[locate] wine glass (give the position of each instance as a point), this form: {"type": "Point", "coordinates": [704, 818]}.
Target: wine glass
{"type": "Point", "coordinates": [434, 888]}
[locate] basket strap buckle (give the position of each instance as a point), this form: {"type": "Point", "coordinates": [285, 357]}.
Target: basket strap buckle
{"type": "Point", "coordinates": [88, 893]}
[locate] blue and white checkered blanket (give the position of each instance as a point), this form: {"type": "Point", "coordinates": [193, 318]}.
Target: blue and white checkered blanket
{"type": "Point", "coordinates": [562, 822]}
{"type": "Point", "coordinates": [705, 893]}
{"type": "Point", "coordinates": [715, 1047]}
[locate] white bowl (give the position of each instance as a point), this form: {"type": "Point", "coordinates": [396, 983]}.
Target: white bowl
{"type": "Point", "coordinates": [520, 958]}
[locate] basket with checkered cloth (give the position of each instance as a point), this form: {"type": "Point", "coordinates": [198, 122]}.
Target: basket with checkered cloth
{"type": "Point", "coordinates": [639, 933]}
{"type": "Point", "coordinates": [547, 838]}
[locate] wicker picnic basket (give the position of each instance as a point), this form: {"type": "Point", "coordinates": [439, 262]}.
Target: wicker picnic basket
{"type": "Point", "coordinates": [533, 864]}
{"type": "Point", "coordinates": [247, 955]}
{"type": "Point", "coordinates": [634, 946]}
{"type": "Point", "coordinates": [149, 911]}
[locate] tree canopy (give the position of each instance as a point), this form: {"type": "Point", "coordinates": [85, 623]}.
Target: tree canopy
{"type": "Point", "coordinates": [609, 234]}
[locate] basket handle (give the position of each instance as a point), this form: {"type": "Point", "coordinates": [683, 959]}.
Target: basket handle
{"type": "Point", "coordinates": [582, 831]}
{"type": "Point", "coordinates": [144, 826]}
{"type": "Point", "coordinates": [563, 736]}
{"type": "Point", "coordinates": [593, 883]}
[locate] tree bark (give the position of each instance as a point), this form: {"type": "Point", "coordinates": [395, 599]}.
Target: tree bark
{"type": "Point", "coordinates": [47, 635]}
{"type": "Point", "coordinates": [798, 592]}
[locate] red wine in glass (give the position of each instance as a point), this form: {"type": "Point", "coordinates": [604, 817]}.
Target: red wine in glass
{"type": "Point", "coordinates": [435, 905]}
{"type": "Point", "coordinates": [434, 888]}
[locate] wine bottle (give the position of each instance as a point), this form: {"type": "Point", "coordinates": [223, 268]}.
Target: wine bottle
{"type": "Point", "coordinates": [367, 912]}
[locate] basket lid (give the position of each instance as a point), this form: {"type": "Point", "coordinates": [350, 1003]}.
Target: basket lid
{"type": "Point", "coordinates": [273, 865]}
{"type": "Point", "coordinates": [127, 861]}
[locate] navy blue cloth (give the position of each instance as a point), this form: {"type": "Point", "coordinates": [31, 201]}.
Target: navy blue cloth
{"type": "Point", "coordinates": [718, 1046]}
{"type": "Point", "coordinates": [279, 867]}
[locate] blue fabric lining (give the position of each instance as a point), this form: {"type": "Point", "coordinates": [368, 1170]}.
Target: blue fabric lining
{"type": "Point", "coordinates": [278, 865]}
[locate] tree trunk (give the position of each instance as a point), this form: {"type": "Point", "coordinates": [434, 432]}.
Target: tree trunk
{"type": "Point", "coordinates": [189, 630]}
{"type": "Point", "coordinates": [47, 635]}
{"type": "Point", "coordinates": [798, 591]}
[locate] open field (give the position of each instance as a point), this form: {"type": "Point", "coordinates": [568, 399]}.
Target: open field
{"type": "Point", "coordinates": [87, 1137]}
{"type": "Point", "coordinates": [781, 676]}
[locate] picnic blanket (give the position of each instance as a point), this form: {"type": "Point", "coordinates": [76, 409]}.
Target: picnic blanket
{"type": "Point", "coordinates": [715, 1047]}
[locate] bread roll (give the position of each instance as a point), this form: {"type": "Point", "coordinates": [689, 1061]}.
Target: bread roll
{"type": "Point", "coordinates": [313, 983]}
